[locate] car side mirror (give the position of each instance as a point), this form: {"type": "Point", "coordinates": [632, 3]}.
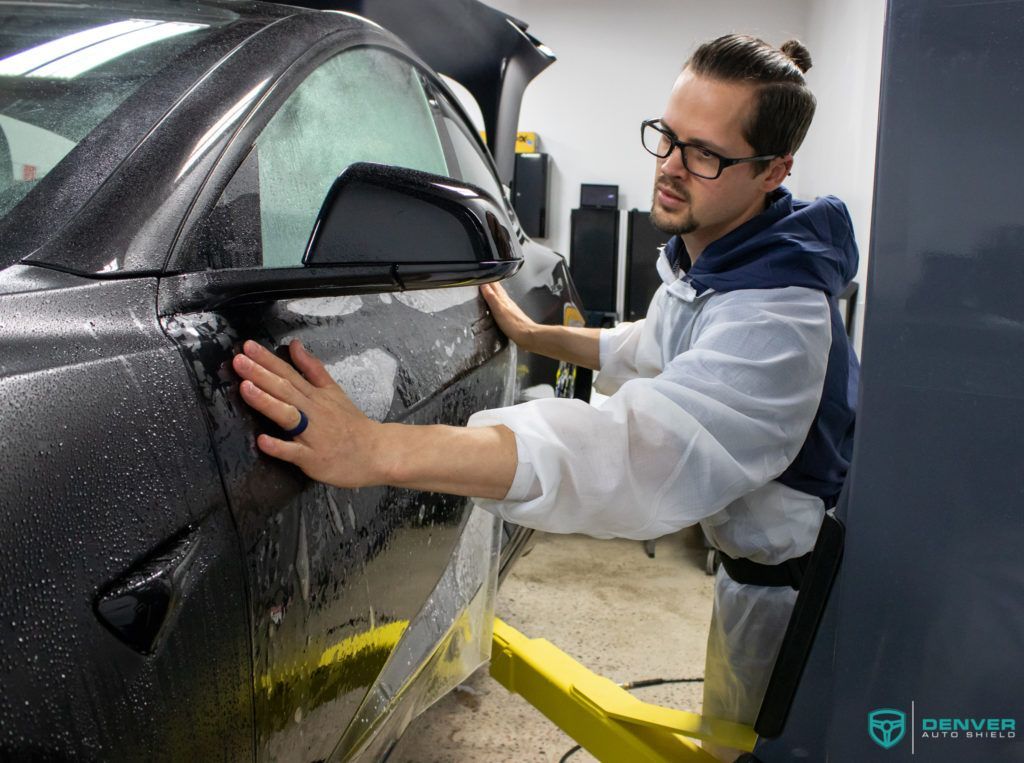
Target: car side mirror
{"type": "Point", "coordinates": [429, 229]}
{"type": "Point", "coordinates": [380, 229]}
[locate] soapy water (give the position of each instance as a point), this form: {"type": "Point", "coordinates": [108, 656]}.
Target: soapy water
{"type": "Point", "coordinates": [325, 307]}
{"type": "Point", "coordinates": [369, 379]}
{"type": "Point", "coordinates": [432, 301]}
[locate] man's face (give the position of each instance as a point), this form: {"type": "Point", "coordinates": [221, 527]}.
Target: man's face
{"type": "Point", "coordinates": [710, 113]}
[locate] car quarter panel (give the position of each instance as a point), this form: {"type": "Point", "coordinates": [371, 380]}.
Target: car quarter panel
{"type": "Point", "coordinates": [106, 461]}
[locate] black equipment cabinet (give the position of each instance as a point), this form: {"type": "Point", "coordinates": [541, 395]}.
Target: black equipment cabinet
{"type": "Point", "coordinates": [643, 241]}
{"type": "Point", "coordinates": [530, 193]}
{"type": "Point", "coordinates": [594, 261]}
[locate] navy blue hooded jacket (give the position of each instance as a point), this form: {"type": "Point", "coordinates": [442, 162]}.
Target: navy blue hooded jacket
{"type": "Point", "coordinates": [796, 243]}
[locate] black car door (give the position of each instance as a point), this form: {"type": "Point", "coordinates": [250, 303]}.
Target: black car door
{"type": "Point", "coordinates": [328, 570]}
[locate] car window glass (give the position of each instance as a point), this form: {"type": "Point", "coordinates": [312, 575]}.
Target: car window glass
{"type": "Point", "coordinates": [62, 72]}
{"type": "Point", "coordinates": [365, 105]}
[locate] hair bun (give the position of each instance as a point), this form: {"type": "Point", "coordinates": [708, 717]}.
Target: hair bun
{"type": "Point", "coordinates": [798, 54]}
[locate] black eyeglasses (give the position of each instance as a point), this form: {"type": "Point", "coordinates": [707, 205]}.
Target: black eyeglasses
{"type": "Point", "coordinates": [699, 161]}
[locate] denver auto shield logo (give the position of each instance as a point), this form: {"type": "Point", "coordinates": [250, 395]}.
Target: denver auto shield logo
{"type": "Point", "coordinates": [887, 726]}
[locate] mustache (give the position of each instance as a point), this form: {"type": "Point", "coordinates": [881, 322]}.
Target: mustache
{"type": "Point", "coordinates": [665, 183]}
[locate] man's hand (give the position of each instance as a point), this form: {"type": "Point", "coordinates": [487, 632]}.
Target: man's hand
{"type": "Point", "coordinates": [515, 324]}
{"type": "Point", "coordinates": [340, 444]}
{"type": "Point", "coordinates": [573, 345]}
{"type": "Point", "coordinates": [342, 447]}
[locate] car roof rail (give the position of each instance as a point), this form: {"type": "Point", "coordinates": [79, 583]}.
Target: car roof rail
{"type": "Point", "coordinates": [483, 49]}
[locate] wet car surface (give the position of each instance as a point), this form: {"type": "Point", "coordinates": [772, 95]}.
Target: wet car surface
{"type": "Point", "coordinates": [168, 590]}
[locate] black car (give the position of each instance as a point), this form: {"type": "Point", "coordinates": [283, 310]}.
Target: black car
{"type": "Point", "coordinates": [168, 592]}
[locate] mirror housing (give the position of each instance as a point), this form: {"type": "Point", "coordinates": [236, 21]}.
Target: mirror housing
{"type": "Point", "coordinates": [429, 230]}
{"type": "Point", "coordinates": [380, 229]}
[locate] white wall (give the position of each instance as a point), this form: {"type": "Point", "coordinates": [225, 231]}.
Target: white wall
{"type": "Point", "coordinates": [838, 156]}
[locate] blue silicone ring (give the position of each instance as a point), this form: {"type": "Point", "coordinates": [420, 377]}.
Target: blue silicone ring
{"type": "Point", "coordinates": [300, 427]}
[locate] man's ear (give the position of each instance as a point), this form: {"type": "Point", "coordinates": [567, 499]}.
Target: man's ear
{"type": "Point", "coordinates": [777, 172]}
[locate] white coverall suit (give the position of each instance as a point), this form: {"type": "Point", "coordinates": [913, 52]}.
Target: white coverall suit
{"type": "Point", "coordinates": [711, 399]}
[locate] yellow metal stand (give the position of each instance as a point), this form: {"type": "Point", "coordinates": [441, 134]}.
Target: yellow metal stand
{"type": "Point", "coordinates": [604, 718]}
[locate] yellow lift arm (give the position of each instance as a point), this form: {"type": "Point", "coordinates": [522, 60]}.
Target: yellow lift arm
{"type": "Point", "coordinates": [604, 718]}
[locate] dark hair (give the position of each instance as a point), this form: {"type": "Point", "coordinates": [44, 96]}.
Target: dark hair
{"type": "Point", "coordinates": [784, 104]}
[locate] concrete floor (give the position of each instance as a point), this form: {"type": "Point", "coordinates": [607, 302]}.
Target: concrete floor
{"type": "Point", "coordinates": [607, 605]}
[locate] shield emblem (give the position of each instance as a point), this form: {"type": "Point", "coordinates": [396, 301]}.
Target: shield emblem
{"type": "Point", "coordinates": [887, 726]}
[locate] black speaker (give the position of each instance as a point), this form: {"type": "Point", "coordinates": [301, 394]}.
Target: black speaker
{"type": "Point", "coordinates": [642, 279]}
{"type": "Point", "coordinates": [530, 193]}
{"type": "Point", "coordinates": [594, 260]}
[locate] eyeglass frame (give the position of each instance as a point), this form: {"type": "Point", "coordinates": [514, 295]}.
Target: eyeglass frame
{"type": "Point", "coordinates": [724, 162]}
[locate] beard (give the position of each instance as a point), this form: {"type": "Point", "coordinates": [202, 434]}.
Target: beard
{"type": "Point", "coordinates": [665, 221]}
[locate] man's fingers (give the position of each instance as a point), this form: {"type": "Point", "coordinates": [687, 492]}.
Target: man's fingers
{"type": "Point", "coordinates": [310, 365]}
{"type": "Point", "coordinates": [270, 382]}
{"type": "Point", "coordinates": [498, 298]}
{"type": "Point", "coordinates": [489, 291]}
{"type": "Point", "coordinates": [493, 297]}
{"type": "Point", "coordinates": [508, 315]}
{"type": "Point", "coordinates": [282, 449]}
{"type": "Point", "coordinates": [264, 357]}
{"type": "Point", "coordinates": [283, 414]}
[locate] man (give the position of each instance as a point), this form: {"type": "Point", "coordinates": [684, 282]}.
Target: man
{"type": "Point", "coordinates": [730, 402]}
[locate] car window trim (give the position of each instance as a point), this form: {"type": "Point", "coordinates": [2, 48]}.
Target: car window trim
{"type": "Point", "coordinates": [451, 158]}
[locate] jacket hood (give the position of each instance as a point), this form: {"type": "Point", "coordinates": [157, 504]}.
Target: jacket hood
{"type": "Point", "coordinates": [791, 243]}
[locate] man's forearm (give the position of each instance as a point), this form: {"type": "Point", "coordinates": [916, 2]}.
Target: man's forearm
{"type": "Point", "coordinates": [472, 461]}
{"type": "Point", "coordinates": [574, 345]}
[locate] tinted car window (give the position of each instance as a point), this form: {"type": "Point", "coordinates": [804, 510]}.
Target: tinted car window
{"type": "Point", "coordinates": [364, 105]}
{"type": "Point", "coordinates": [63, 74]}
